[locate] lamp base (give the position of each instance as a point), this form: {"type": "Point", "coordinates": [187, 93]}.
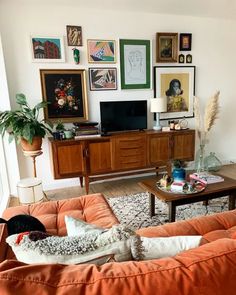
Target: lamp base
{"type": "Point", "coordinates": [157, 128]}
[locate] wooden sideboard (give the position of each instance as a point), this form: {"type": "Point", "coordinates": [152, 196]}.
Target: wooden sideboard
{"type": "Point", "coordinates": [119, 154]}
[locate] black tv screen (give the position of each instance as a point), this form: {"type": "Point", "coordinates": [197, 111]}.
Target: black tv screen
{"type": "Point", "coordinates": [123, 115]}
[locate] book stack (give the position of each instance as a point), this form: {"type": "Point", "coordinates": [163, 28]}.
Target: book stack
{"type": "Point", "coordinates": [206, 178]}
{"type": "Point", "coordinates": [86, 130]}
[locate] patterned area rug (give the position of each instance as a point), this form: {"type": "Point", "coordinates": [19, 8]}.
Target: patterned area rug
{"type": "Point", "coordinates": [133, 210]}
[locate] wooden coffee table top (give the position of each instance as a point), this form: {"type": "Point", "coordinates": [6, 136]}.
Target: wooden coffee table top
{"type": "Point", "coordinates": [226, 186]}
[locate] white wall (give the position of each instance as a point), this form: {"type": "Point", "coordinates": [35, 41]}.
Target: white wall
{"type": "Point", "coordinates": [213, 50]}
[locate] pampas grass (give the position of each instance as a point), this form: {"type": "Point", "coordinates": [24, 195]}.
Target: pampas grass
{"type": "Point", "coordinates": [210, 116]}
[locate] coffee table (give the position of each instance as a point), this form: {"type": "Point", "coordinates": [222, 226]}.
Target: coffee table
{"type": "Point", "coordinates": [212, 191]}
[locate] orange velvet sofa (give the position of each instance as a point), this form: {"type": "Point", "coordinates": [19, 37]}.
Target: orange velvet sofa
{"type": "Point", "coordinates": [208, 269]}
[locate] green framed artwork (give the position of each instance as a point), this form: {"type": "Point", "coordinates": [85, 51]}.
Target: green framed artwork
{"type": "Point", "coordinates": [135, 64]}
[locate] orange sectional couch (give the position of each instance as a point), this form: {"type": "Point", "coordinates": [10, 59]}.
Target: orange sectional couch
{"type": "Point", "coordinates": [208, 269]}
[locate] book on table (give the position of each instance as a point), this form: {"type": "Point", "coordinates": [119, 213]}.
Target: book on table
{"type": "Point", "coordinates": [206, 178]}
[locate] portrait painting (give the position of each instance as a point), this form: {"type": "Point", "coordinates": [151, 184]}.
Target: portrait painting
{"type": "Point", "coordinates": [185, 42]}
{"type": "Point", "coordinates": [65, 92]}
{"type": "Point", "coordinates": [102, 79]}
{"type": "Point", "coordinates": [166, 47]}
{"type": "Point", "coordinates": [101, 51]}
{"type": "Point", "coordinates": [135, 64]}
{"type": "Point", "coordinates": [47, 49]}
{"type": "Point", "coordinates": [74, 35]}
{"type": "Point", "coordinates": [177, 84]}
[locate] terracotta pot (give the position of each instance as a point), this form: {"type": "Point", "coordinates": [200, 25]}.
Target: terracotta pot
{"type": "Point", "coordinates": [35, 146]}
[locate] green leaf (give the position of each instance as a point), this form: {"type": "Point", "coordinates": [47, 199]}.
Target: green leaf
{"type": "Point", "coordinates": [21, 99]}
{"type": "Point", "coordinates": [41, 105]}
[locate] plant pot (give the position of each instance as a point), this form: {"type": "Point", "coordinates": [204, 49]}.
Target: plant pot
{"type": "Point", "coordinates": [35, 146]}
{"type": "Point", "coordinates": [179, 174]}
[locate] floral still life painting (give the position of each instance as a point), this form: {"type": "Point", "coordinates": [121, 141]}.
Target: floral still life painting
{"type": "Point", "coordinates": [101, 51]}
{"type": "Point", "coordinates": [65, 91]}
{"type": "Point", "coordinates": [103, 78]}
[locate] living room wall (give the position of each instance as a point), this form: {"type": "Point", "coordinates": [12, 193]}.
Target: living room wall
{"type": "Point", "coordinates": [213, 48]}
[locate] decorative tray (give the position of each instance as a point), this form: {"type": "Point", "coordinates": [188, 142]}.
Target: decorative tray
{"type": "Point", "coordinates": [199, 187]}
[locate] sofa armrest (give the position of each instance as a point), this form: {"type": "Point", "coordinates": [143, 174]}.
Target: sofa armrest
{"type": "Point", "coordinates": [3, 244]}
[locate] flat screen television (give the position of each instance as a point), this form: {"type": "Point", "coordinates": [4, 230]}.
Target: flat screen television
{"type": "Point", "coordinates": [123, 115]}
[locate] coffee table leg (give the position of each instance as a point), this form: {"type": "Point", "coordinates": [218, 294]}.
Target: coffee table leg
{"type": "Point", "coordinates": [152, 204]}
{"type": "Point", "coordinates": [232, 199]}
{"type": "Point", "coordinates": [172, 211]}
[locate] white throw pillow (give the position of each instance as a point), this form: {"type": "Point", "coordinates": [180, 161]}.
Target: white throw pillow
{"type": "Point", "coordinates": [78, 227]}
{"type": "Point", "coordinates": [88, 248]}
{"type": "Point", "coordinates": [154, 248]}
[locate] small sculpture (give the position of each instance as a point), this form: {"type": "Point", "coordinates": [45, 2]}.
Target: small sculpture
{"type": "Point", "coordinates": [165, 181]}
{"type": "Point", "coordinates": [76, 55]}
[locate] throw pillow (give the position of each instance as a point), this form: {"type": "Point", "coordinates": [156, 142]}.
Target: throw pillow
{"type": "Point", "coordinates": [78, 227]}
{"type": "Point", "coordinates": [143, 248]}
{"type": "Point", "coordinates": [88, 248]}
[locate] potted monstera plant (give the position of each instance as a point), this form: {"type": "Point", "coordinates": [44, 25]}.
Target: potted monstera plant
{"type": "Point", "coordinates": [24, 125]}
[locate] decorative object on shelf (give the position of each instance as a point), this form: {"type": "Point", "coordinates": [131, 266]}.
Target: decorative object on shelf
{"type": "Point", "coordinates": [135, 64]}
{"type": "Point", "coordinates": [178, 172]}
{"type": "Point", "coordinates": [165, 181]}
{"type": "Point", "coordinates": [203, 126]}
{"type": "Point", "coordinates": [158, 105]}
{"type": "Point", "coordinates": [177, 84]}
{"type": "Point", "coordinates": [189, 58]}
{"type": "Point", "coordinates": [23, 124]}
{"type": "Point", "coordinates": [76, 55]}
{"type": "Point", "coordinates": [103, 79]}
{"type": "Point", "coordinates": [65, 91]}
{"type": "Point", "coordinates": [212, 163]}
{"type": "Point", "coordinates": [47, 49]}
{"type": "Point", "coordinates": [166, 47]}
{"type": "Point", "coordinates": [68, 134]}
{"type": "Point", "coordinates": [74, 35]}
{"type": "Point", "coordinates": [185, 42]}
{"type": "Point", "coordinates": [181, 59]}
{"type": "Point", "coordinates": [182, 188]}
{"type": "Point", "coordinates": [183, 124]}
{"type": "Point", "coordinates": [101, 51]}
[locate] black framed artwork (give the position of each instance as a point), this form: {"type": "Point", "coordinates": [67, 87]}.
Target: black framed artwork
{"type": "Point", "coordinates": [185, 42]}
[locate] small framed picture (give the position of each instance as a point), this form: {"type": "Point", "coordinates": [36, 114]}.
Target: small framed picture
{"type": "Point", "coordinates": [47, 49]}
{"type": "Point", "coordinates": [189, 58]}
{"type": "Point", "coordinates": [185, 42]}
{"type": "Point", "coordinates": [101, 51]}
{"type": "Point", "coordinates": [181, 59]}
{"type": "Point", "coordinates": [74, 35]}
{"type": "Point", "coordinates": [166, 47]}
{"type": "Point", "coordinates": [102, 79]}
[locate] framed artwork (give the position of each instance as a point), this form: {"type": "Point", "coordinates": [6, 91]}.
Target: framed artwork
{"type": "Point", "coordinates": [177, 83]}
{"type": "Point", "coordinates": [166, 47]}
{"type": "Point", "coordinates": [181, 59]}
{"type": "Point", "coordinates": [101, 51]}
{"type": "Point", "coordinates": [135, 64]}
{"type": "Point", "coordinates": [47, 49]}
{"type": "Point", "coordinates": [74, 35]}
{"type": "Point", "coordinates": [185, 42]}
{"type": "Point", "coordinates": [189, 58]}
{"type": "Point", "coordinates": [103, 79]}
{"type": "Point", "coordinates": [65, 91]}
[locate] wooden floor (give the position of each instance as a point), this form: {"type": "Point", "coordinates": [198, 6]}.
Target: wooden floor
{"type": "Point", "coordinates": [121, 187]}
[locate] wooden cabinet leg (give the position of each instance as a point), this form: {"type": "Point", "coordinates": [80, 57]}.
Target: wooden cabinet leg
{"type": "Point", "coordinates": [87, 184]}
{"type": "Point", "coordinates": [81, 181]}
{"type": "Point", "coordinates": [152, 204]}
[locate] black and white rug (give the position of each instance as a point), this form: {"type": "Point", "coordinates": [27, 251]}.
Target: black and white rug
{"type": "Point", "coordinates": [133, 210]}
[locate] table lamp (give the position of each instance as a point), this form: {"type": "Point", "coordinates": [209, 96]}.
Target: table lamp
{"type": "Point", "coordinates": [158, 105]}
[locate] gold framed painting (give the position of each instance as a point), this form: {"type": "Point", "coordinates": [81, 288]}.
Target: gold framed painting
{"type": "Point", "coordinates": [166, 47]}
{"type": "Point", "coordinates": [66, 94]}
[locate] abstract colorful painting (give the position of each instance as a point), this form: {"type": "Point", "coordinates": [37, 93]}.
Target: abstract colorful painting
{"type": "Point", "coordinates": [47, 49]}
{"type": "Point", "coordinates": [101, 51]}
{"type": "Point", "coordinates": [103, 78]}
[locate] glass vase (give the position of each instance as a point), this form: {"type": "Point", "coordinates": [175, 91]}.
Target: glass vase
{"type": "Point", "coordinates": [199, 161]}
{"type": "Point", "coordinates": [212, 163]}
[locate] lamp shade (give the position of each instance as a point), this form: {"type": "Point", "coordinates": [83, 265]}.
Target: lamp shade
{"type": "Point", "coordinates": [158, 105]}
